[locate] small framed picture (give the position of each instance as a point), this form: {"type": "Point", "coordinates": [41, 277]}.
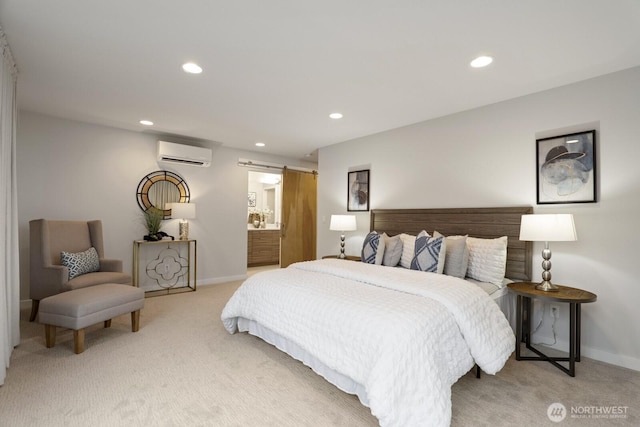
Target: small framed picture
{"type": "Point", "coordinates": [566, 168]}
{"type": "Point", "coordinates": [252, 199]}
{"type": "Point", "coordinates": [358, 191]}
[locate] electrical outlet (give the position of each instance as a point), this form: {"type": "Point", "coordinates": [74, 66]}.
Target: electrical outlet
{"type": "Point", "coordinates": [554, 311]}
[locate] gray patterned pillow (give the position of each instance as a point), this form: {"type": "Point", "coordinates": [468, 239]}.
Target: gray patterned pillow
{"type": "Point", "coordinates": [373, 248]}
{"type": "Point", "coordinates": [81, 262]}
{"type": "Point", "coordinates": [428, 252]}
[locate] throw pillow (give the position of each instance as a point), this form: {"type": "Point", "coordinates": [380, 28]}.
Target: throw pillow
{"type": "Point", "coordinates": [81, 262]}
{"type": "Point", "coordinates": [428, 251]}
{"type": "Point", "coordinates": [392, 250]}
{"type": "Point", "coordinates": [373, 248]}
{"type": "Point", "coordinates": [457, 255]}
{"type": "Point", "coordinates": [408, 249]}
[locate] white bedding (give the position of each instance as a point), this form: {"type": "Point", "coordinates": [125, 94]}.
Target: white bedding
{"type": "Point", "coordinates": [402, 336]}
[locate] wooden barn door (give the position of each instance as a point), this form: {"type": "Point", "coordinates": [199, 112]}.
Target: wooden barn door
{"type": "Point", "coordinates": [298, 228]}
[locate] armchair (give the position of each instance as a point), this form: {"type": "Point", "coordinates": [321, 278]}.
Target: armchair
{"type": "Point", "coordinates": [47, 274]}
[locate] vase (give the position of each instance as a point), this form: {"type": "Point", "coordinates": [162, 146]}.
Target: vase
{"type": "Point", "coordinates": [256, 224]}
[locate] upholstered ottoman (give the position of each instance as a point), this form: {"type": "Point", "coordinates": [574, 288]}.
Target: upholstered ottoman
{"type": "Point", "coordinates": [84, 307]}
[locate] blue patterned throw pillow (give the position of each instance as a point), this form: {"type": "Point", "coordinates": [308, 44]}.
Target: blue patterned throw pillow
{"type": "Point", "coordinates": [81, 262]}
{"type": "Point", "coordinates": [373, 248]}
{"type": "Point", "coordinates": [427, 253]}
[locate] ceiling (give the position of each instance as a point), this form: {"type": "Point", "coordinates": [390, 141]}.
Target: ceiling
{"type": "Point", "coordinates": [274, 70]}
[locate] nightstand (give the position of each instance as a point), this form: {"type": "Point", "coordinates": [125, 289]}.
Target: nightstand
{"type": "Point", "coordinates": [348, 257]}
{"type": "Point", "coordinates": [525, 291]}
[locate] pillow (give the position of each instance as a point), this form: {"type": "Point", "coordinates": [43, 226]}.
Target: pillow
{"type": "Point", "coordinates": [457, 255]}
{"type": "Point", "coordinates": [392, 250]}
{"type": "Point", "coordinates": [81, 262]}
{"type": "Point", "coordinates": [429, 253]}
{"type": "Point", "coordinates": [487, 259]}
{"type": "Point", "coordinates": [373, 249]}
{"type": "Point", "coordinates": [408, 248]}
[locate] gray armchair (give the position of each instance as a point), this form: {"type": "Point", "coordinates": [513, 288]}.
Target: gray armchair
{"type": "Point", "coordinates": [48, 276]}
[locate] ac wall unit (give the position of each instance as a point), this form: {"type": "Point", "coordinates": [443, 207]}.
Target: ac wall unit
{"type": "Point", "coordinates": [184, 154]}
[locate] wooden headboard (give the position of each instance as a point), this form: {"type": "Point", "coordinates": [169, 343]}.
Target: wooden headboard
{"type": "Point", "coordinates": [484, 223]}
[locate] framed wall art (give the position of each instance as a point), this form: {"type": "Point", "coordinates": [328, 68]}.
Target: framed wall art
{"type": "Point", "coordinates": [252, 199]}
{"type": "Point", "coordinates": [566, 168]}
{"type": "Point", "coordinates": [358, 191]}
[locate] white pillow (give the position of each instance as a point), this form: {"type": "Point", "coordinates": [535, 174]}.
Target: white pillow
{"type": "Point", "coordinates": [457, 255]}
{"type": "Point", "coordinates": [408, 246]}
{"type": "Point", "coordinates": [373, 248]}
{"type": "Point", "coordinates": [487, 259]}
{"type": "Point", "coordinates": [392, 250]}
{"type": "Point", "coordinates": [429, 253]}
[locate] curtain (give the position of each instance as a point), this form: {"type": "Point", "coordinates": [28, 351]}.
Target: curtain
{"type": "Point", "coordinates": [9, 263]}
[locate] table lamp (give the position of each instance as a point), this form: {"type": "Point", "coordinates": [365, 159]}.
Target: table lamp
{"type": "Point", "coordinates": [342, 223]}
{"type": "Point", "coordinates": [184, 211]}
{"type": "Point", "coordinates": [547, 228]}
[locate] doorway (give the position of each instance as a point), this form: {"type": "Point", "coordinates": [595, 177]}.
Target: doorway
{"type": "Point", "coordinates": [264, 212]}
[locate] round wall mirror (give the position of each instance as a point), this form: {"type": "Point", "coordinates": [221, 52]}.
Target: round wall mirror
{"type": "Point", "coordinates": [159, 188]}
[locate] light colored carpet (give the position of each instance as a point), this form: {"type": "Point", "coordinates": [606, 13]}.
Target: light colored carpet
{"type": "Point", "coordinates": [183, 369]}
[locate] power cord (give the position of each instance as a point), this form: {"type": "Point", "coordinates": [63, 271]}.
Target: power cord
{"type": "Point", "coordinates": [553, 329]}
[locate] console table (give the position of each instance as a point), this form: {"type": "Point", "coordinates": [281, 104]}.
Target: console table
{"type": "Point", "coordinates": [165, 266]}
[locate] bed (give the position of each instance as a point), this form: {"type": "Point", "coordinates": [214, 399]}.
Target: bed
{"type": "Point", "coordinates": [395, 337]}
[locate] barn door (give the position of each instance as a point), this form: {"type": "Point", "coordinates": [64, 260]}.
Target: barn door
{"type": "Point", "coordinates": [298, 228]}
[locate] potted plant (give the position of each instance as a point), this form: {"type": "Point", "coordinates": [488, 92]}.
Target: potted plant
{"type": "Point", "coordinates": [153, 222]}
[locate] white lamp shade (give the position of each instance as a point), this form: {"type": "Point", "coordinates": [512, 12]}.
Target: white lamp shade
{"type": "Point", "coordinates": [182, 210]}
{"type": "Point", "coordinates": [548, 228]}
{"type": "Point", "coordinates": [343, 223]}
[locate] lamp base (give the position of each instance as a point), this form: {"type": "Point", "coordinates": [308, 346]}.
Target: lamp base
{"type": "Point", "coordinates": [546, 286]}
{"type": "Point", "coordinates": [184, 230]}
{"type": "Point", "coordinates": [342, 255]}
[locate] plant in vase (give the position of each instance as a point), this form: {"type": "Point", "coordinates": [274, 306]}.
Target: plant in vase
{"type": "Point", "coordinates": [152, 219]}
{"type": "Point", "coordinates": [259, 216]}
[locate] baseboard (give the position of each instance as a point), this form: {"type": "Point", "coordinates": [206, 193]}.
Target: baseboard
{"type": "Point", "coordinates": [218, 280]}
{"type": "Point", "coordinates": [592, 353]}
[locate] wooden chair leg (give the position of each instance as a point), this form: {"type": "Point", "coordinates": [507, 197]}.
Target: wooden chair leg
{"type": "Point", "coordinates": [107, 323]}
{"type": "Point", "coordinates": [135, 321]}
{"type": "Point", "coordinates": [78, 341]}
{"type": "Point", "coordinates": [50, 335]}
{"type": "Point", "coordinates": [34, 309]}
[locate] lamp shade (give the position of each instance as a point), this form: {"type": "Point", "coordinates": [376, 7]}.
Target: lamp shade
{"type": "Point", "coordinates": [343, 223]}
{"type": "Point", "coordinates": [548, 228]}
{"type": "Point", "coordinates": [182, 210]}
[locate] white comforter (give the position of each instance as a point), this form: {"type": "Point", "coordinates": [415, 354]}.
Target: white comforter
{"type": "Point", "coordinates": [405, 336]}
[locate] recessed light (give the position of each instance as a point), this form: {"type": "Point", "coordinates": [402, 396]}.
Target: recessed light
{"type": "Point", "coordinates": [146, 122]}
{"type": "Point", "coordinates": [335, 116]}
{"type": "Point", "coordinates": [481, 61]}
{"type": "Point", "coordinates": [260, 144]}
{"type": "Point", "coordinates": [191, 68]}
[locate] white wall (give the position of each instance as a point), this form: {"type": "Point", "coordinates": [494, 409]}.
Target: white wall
{"type": "Point", "coordinates": [74, 170]}
{"type": "Point", "coordinates": [486, 157]}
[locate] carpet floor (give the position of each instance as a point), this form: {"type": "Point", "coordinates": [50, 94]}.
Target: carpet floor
{"type": "Point", "coordinates": [183, 369]}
